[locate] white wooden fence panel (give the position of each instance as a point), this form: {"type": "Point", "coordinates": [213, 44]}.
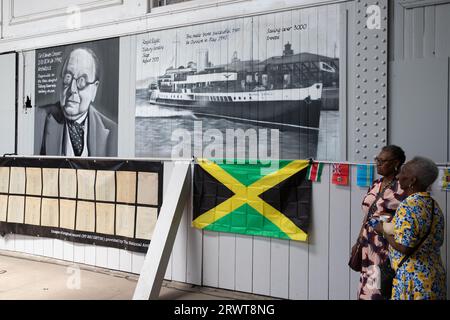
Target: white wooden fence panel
{"type": "Point", "coordinates": [194, 255]}
{"type": "Point", "coordinates": [78, 253]}
{"type": "Point", "coordinates": [339, 273]}
{"type": "Point", "coordinates": [227, 261]}
{"type": "Point", "coordinates": [244, 265]}
{"type": "Point", "coordinates": [357, 216]}
{"type": "Point", "coordinates": [19, 243]}
{"type": "Point", "coordinates": [48, 248]}
{"type": "Point", "coordinates": [211, 259]}
{"type": "Point", "coordinates": [101, 257]}
{"type": "Point", "coordinates": [279, 268]}
{"type": "Point", "coordinates": [124, 260]}
{"type": "Point", "coordinates": [58, 249]}
{"type": "Point", "coordinates": [137, 261]}
{"type": "Point", "coordinates": [319, 239]}
{"type": "Point", "coordinates": [261, 266]}
{"type": "Point", "coordinates": [89, 255]}
{"type": "Point", "coordinates": [298, 270]}
{"type": "Point", "coordinates": [113, 259]}
{"type": "Point", "coordinates": [68, 251]}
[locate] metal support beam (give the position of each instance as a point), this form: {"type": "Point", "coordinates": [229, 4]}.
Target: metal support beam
{"type": "Point", "coordinates": [158, 255]}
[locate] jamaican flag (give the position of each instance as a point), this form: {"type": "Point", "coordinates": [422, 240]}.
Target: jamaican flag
{"type": "Point", "coordinates": [253, 199]}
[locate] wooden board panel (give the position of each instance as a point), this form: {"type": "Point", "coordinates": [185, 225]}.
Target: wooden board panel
{"type": "Point", "coordinates": [4, 179]}
{"type": "Point", "coordinates": [126, 186]}
{"type": "Point", "coordinates": [17, 181]}
{"type": "Point", "coordinates": [16, 209]}
{"type": "Point", "coordinates": [67, 209]}
{"type": "Point", "coordinates": [146, 222]}
{"type": "Point", "coordinates": [3, 207]}
{"type": "Point", "coordinates": [105, 218]}
{"type": "Point", "coordinates": [105, 186]}
{"type": "Point", "coordinates": [125, 220]}
{"type": "Point", "coordinates": [86, 183]}
{"type": "Point", "coordinates": [50, 213]}
{"type": "Point", "coordinates": [33, 211]}
{"type": "Point", "coordinates": [68, 183]}
{"type": "Point", "coordinates": [85, 216]}
{"type": "Point", "coordinates": [148, 188]}
{"type": "Point", "coordinates": [50, 179]}
{"type": "Point", "coordinates": [34, 181]}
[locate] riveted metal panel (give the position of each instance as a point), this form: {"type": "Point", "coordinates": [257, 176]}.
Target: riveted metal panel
{"type": "Point", "coordinates": [370, 107]}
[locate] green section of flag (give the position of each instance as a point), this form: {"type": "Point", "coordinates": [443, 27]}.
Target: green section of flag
{"type": "Point", "coordinates": [249, 174]}
{"type": "Point", "coordinates": [247, 220]}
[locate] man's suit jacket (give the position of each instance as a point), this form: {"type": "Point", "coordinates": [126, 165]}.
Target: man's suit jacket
{"type": "Point", "coordinates": [102, 132]}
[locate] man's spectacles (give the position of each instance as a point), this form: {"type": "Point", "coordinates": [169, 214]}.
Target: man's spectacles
{"type": "Point", "coordinates": [382, 161]}
{"type": "Point", "coordinates": [81, 82]}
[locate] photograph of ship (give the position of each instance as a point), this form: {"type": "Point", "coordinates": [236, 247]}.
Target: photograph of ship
{"type": "Point", "coordinates": [260, 75]}
{"type": "Point", "coordinates": [284, 90]}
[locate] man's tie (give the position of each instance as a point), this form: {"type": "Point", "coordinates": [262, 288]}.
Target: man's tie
{"type": "Point", "coordinates": [76, 133]}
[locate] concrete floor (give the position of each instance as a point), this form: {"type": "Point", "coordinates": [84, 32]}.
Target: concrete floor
{"type": "Point", "coordinates": [35, 278]}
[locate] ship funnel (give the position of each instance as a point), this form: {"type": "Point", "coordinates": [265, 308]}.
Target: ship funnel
{"type": "Point", "coordinates": [202, 60]}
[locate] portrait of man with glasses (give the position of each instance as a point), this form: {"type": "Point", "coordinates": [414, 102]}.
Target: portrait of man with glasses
{"type": "Point", "coordinates": [74, 126]}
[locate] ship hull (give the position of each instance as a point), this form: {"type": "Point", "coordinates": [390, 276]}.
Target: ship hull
{"type": "Point", "coordinates": [299, 113]}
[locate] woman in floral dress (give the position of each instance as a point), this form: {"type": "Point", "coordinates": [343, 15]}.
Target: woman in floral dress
{"type": "Point", "coordinates": [382, 199]}
{"type": "Point", "coordinates": [418, 232]}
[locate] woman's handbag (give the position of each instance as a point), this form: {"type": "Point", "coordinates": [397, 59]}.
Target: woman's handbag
{"type": "Point", "coordinates": [355, 262]}
{"type": "Point", "coordinates": [387, 274]}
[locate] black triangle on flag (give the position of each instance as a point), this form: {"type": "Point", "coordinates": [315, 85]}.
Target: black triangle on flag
{"type": "Point", "coordinates": [292, 198]}
{"type": "Point", "coordinates": [208, 192]}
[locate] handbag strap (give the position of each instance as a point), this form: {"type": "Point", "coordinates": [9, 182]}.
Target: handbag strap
{"type": "Point", "coordinates": [373, 207]}
{"type": "Point", "coordinates": [421, 241]}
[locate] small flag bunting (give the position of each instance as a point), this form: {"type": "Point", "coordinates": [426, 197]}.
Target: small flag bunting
{"type": "Point", "coordinates": [315, 172]}
{"type": "Point", "coordinates": [340, 174]}
{"type": "Point", "coordinates": [446, 179]}
{"type": "Point", "coordinates": [364, 175]}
